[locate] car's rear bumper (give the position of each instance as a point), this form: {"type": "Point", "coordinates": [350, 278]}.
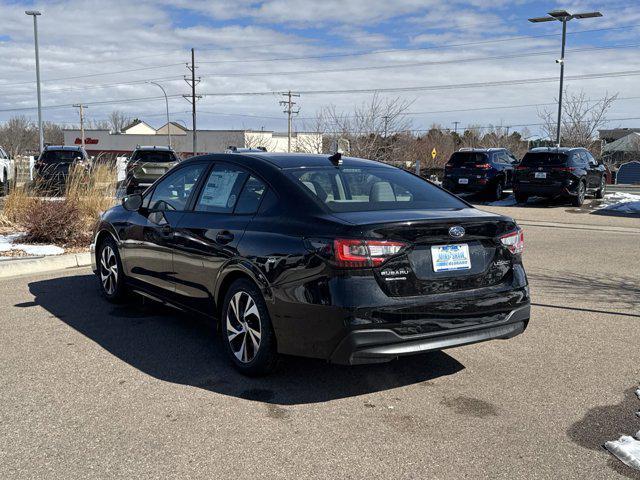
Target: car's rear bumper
{"type": "Point", "coordinates": [381, 345]}
{"type": "Point", "coordinates": [540, 190]}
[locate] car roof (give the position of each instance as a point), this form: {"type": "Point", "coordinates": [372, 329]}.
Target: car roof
{"type": "Point", "coordinates": [482, 150]}
{"type": "Point", "coordinates": [293, 160]}
{"type": "Point", "coordinates": [154, 147]}
{"type": "Point", "coordinates": [62, 147]}
{"type": "Point", "coordinates": [556, 149]}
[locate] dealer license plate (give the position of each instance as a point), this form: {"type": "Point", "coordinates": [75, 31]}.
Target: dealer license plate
{"type": "Point", "coordinates": [541, 174]}
{"type": "Point", "coordinates": [450, 257]}
{"type": "Point", "coordinates": [463, 181]}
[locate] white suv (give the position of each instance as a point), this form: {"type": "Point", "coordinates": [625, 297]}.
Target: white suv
{"type": "Point", "coordinates": [7, 169]}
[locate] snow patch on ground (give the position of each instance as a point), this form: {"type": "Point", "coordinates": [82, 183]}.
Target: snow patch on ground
{"type": "Point", "coordinates": [510, 201]}
{"type": "Point", "coordinates": [621, 202]}
{"type": "Point", "coordinates": [626, 449]}
{"type": "Point", "coordinates": [11, 242]}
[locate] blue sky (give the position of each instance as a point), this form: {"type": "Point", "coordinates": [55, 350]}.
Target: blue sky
{"type": "Point", "coordinates": [101, 53]}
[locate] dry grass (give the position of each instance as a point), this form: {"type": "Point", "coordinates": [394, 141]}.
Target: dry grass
{"type": "Point", "coordinates": [66, 221]}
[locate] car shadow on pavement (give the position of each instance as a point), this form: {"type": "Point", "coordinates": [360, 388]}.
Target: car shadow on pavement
{"type": "Point", "coordinates": [603, 423]}
{"type": "Point", "coordinates": [176, 347]}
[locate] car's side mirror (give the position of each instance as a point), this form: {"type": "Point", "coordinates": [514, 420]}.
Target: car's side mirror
{"type": "Point", "coordinates": [133, 202]}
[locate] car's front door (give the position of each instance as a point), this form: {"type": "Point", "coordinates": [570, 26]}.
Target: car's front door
{"type": "Point", "coordinates": [207, 237]}
{"type": "Point", "coordinates": [149, 237]}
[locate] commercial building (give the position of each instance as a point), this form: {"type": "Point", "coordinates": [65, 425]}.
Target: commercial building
{"type": "Point", "coordinates": [107, 143]}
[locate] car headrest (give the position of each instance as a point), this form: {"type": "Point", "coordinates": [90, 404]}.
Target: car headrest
{"type": "Point", "coordinates": [382, 192]}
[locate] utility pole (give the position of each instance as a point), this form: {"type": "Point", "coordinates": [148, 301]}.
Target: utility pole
{"type": "Point", "coordinates": [192, 82]}
{"type": "Point", "coordinates": [81, 108]}
{"type": "Point", "coordinates": [562, 16]}
{"type": "Point", "coordinates": [289, 110]}
{"type": "Point", "coordinates": [455, 127]}
{"type": "Point", "coordinates": [35, 14]}
{"type": "Point", "coordinates": [386, 124]}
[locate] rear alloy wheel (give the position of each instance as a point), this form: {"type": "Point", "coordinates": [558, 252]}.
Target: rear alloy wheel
{"type": "Point", "coordinates": [578, 199]}
{"type": "Point", "coordinates": [110, 271]}
{"type": "Point", "coordinates": [602, 189]}
{"type": "Point", "coordinates": [247, 333]}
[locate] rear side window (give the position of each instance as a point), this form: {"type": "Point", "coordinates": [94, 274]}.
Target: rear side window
{"type": "Point", "coordinates": [153, 156]}
{"type": "Point", "coordinates": [372, 188]}
{"type": "Point", "coordinates": [57, 156]}
{"type": "Point", "coordinates": [534, 159]}
{"type": "Point", "coordinates": [250, 196]}
{"type": "Point", "coordinates": [468, 158]}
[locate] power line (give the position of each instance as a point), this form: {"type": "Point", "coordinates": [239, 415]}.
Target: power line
{"type": "Point", "coordinates": [413, 64]}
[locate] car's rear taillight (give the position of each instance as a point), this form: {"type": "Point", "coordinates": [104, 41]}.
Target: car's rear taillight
{"type": "Point", "coordinates": [514, 241]}
{"type": "Point", "coordinates": [483, 166]}
{"type": "Point", "coordinates": [364, 253]}
{"type": "Point", "coordinates": [522, 168]}
{"type": "Point", "coordinates": [563, 169]}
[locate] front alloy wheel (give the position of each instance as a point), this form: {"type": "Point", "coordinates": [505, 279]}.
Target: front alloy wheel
{"type": "Point", "coordinates": [603, 186]}
{"type": "Point", "coordinates": [243, 327]}
{"type": "Point", "coordinates": [108, 270]}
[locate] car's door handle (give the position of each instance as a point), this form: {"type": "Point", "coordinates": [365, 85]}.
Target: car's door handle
{"type": "Point", "coordinates": [224, 237]}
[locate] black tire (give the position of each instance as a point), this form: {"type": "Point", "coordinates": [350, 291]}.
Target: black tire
{"type": "Point", "coordinates": [578, 199]}
{"type": "Point", "coordinates": [4, 186]}
{"type": "Point", "coordinates": [496, 192]}
{"type": "Point", "coordinates": [112, 281]}
{"type": "Point", "coordinates": [239, 334]}
{"type": "Point", "coordinates": [603, 187]}
{"type": "Point", "coordinates": [521, 197]}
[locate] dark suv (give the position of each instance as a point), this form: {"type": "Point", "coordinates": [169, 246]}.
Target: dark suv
{"type": "Point", "coordinates": [559, 172]}
{"type": "Point", "coordinates": [55, 162]}
{"type": "Point", "coordinates": [486, 170]}
{"type": "Point", "coordinates": [146, 165]}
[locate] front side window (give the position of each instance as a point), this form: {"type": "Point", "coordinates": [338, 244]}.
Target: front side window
{"type": "Point", "coordinates": [172, 193]}
{"type": "Point", "coordinates": [356, 189]}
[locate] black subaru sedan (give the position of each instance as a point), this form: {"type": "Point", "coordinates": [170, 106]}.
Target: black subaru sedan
{"type": "Point", "coordinates": [343, 259]}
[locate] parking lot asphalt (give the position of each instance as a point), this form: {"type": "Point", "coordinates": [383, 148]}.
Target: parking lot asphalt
{"type": "Point", "coordinates": [91, 390]}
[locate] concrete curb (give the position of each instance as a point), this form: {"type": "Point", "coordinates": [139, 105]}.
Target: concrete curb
{"type": "Point", "coordinates": [18, 267]}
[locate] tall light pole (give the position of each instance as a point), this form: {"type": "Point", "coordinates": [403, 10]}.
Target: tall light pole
{"type": "Point", "coordinates": [166, 101]}
{"type": "Point", "coordinates": [34, 14]}
{"type": "Point", "coordinates": [562, 16]}
{"type": "Point", "coordinates": [81, 108]}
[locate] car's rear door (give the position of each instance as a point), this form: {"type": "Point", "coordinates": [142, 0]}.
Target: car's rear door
{"type": "Point", "coordinates": [207, 236]}
{"type": "Point", "coordinates": [149, 233]}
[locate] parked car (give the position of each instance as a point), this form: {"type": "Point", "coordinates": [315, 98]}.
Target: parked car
{"type": "Point", "coordinates": [146, 165]}
{"type": "Point", "coordinates": [7, 172]}
{"type": "Point", "coordinates": [480, 170]}
{"type": "Point", "coordinates": [344, 259]}
{"type": "Point", "coordinates": [55, 163]}
{"type": "Point", "coordinates": [551, 172]}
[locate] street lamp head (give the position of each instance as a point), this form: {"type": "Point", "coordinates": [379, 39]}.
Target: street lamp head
{"type": "Point", "coordinates": [33, 12]}
{"type": "Point", "coordinates": [564, 16]}
{"type": "Point", "coordinates": [587, 15]}
{"type": "Point", "coordinates": [559, 14]}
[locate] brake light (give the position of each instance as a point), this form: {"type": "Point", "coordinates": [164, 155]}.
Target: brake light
{"type": "Point", "coordinates": [483, 166]}
{"type": "Point", "coordinates": [563, 169]}
{"type": "Point", "coordinates": [514, 241]}
{"type": "Point", "coordinates": [364, 253]}
{"type": "Point", "coordinates": [522, 167]}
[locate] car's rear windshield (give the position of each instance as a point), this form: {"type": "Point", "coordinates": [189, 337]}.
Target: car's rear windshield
{"type": "Point", "coordinates": [468, 158]}
{"type": "Point", "coordinates": [57, 156]}
{"type": "Point", "coordinates": [533, 159]}
{"type": "Point", "coordinates": [357, 189]}
{"type": "Point", "coordinates": [153, 156]}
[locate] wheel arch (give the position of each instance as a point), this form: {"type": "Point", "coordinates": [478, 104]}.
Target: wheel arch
{"type": "Point", "coordinates": [234, 272]}
{"type": "Point", "coordinates": [104, 232]}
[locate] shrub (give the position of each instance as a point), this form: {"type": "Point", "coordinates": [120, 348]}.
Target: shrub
{"type": "Point", "coordinates": [58, 222]}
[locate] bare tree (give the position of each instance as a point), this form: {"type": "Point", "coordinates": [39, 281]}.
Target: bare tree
{"type": "Point", "coordinates": [258, 139]}
{"type": "Point", "coordinates": [118, 120]}
{"type": "Point", "coordinates": [17, 136]}
{"type": "Point", "coordinates": [580, 121]}
{"type": "Point", "coordinates": [369, 128]}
